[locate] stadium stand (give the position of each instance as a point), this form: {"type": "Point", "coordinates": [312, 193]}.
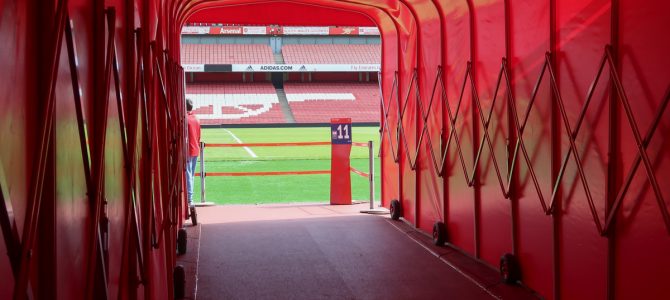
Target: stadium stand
{"type": "Point", "coordinates": [240, 98]}
{"type": "Point", "coordinates": [235, 103]}
{"type": "Point", "coordinates": [226, 54]}
{"type": "Point", "coordinates": [319, 102]}
{"type": "Point", "coordinates": [331, 54]}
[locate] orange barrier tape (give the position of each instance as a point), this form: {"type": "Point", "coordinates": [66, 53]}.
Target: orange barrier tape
{"type": "Point", "coordinates": [360, 144]}
{"type": "Point", "coordinates": [270, 144]}
{"type": "Point", "coordinates": [319, 172]}
{"type": "Point", "coordinates": [359, 172]}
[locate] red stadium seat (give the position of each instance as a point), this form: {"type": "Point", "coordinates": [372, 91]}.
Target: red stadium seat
{"type": "Point", "coordinates": [308, 108]}
{"type": "Point", "coordinates": [237, 103]}
{"type": "Point", "coordinates": [226, 54]}
{"type": "Point", "coordinates": [332, 54]}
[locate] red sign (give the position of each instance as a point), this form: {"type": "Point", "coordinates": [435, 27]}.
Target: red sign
{"type": "Point", "coordinates": [274, 30]}
{"type": "Point", "coordinates": [340, 161]}
{"type": "Point", "coordinates": [226, 30]}
{"type": "Point", "coordinates": [343, 30]}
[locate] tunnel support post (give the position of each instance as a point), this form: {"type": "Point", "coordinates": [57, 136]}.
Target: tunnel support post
{"type": "Point", "coordinates": [202, 173]}
{"type": "Point", "coordinates": [371, 180]}
{"type": "Point", "coordinates": [371, 174]}
{"type": "Point", "coordinates": [555, 154]}
{"type": "Point", "coordinates": [203, 177]}
{"type": "Point", "coordinates": [37, 179]}
{"type": "Point", "coordinates": [614, 156]}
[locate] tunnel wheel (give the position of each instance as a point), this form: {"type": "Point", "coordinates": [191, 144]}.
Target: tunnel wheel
{"type": "Point", "coordinates": [509, 269]}
{"type": "Point", "coordinates": [395, 209]}
{"type": "Point", "coordinates": [179, 282]}
{"type": "Point", "coordinates": [181, 241]}
{"type": "Point", "coordinates": [439, 233]}
{"type": "Point", "coordinates": [194, 216]}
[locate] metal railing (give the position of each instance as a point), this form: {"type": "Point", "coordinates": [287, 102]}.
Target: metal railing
{"type": "Point", "coordinates": [203, 174]}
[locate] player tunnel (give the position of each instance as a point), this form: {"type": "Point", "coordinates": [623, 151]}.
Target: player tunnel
{"type": "Point", "coordinates": [533, 133]}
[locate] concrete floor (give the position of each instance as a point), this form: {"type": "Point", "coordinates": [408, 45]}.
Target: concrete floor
{"type": "Point", "coordinates": [307, 251]}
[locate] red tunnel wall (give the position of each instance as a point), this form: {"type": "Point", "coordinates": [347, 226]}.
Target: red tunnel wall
{"type": "Point", "coordinates": [66, 261]}
{"type": "Point", "coordinates": [562, 254]}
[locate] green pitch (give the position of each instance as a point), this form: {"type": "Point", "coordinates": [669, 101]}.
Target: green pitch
{"type": "Point", "coordinates": [280, 189]}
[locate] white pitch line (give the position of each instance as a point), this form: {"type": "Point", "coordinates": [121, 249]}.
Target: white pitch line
{"type": "Point", "coordinates": [240, 142]}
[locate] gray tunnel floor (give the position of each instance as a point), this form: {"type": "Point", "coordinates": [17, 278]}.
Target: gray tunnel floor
{"type": "Point", "coordinates": [320, 252]}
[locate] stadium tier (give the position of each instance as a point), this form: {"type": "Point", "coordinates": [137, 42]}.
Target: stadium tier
{"type": "Point", "coordinates": [319, 102]}
{"type": "Point", "coordinates": [226, 54]}
{"type": "Point", "coordinates": [235, 103]}
{"type": "Point", "coordinates": [331, 54]}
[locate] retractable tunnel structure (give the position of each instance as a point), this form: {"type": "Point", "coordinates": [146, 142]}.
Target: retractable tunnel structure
{"type": "Point", "coordinates": [532, 133]}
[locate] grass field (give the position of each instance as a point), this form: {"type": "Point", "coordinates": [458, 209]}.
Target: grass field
{"type": "Point", "coordinates": [280, 189]}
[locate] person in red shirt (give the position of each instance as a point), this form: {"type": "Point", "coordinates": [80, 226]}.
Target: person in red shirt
{"type": "Point", "coordinates": [193, 149]}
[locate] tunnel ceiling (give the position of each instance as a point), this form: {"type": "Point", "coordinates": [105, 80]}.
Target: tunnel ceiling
{"type": "Point", "coordinates": [318, 12]}
{"type": "Point", "coordinates": [284, 13]}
